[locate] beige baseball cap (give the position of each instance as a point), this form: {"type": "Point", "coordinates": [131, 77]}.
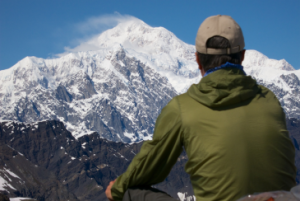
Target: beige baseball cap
{"type": "Point", "coordinates": [220, 25]}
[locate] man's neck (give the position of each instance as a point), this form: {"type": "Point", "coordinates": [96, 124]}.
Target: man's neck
{"type": "Point", "coordinates": [226, 65]}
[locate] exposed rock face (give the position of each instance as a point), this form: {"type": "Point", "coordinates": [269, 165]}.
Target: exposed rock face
{"type": "Point", "coordinates": [26, 179]}
{"type": "Point", "coordinates": [63, 94]}
{"type": "Point", "coordinates": [44, 161]}
{"type": "Point", "coordinates": [293, 126]}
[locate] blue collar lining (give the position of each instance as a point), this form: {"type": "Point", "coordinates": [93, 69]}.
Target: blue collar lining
{"type": "Point", "coordinates": [226, 65]}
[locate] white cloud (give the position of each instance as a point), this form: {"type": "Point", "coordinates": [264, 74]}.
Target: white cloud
{"type": "Point", "coordinates": [102, 23]}
{"type": "Point", "coordinates": [90, 30]}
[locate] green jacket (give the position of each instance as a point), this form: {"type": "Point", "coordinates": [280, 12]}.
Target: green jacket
{"type": "Point", "coordinates": [234, 134]}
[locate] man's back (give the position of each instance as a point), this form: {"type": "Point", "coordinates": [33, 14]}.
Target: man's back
{"type": "Point", "coordinates": [235, 137]}
{"type": "Point", "coordinates": [233, 130]}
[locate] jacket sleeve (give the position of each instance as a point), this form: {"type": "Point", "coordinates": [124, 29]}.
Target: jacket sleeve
{"type": "Point", "coordinates": [157, 156]}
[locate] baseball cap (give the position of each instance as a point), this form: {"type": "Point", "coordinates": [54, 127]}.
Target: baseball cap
{"type": "Point", "coordinates": [220, 25]}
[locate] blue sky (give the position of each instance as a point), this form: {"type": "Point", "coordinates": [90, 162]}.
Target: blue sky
{"type": "Point", "coordinates": [45, 28]}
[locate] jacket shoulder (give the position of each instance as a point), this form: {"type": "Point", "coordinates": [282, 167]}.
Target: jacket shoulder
{"type": "Point", "coordinates": [268, 94]}
{"type": "Point", "coordinates": [185, 97]}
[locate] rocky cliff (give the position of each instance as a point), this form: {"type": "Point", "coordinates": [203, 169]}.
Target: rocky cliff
{"type": "Point", "coordinates": [44, 161]}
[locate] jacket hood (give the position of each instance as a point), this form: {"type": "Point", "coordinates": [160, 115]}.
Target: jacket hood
{"type": "Point", "coordinates": [224, 87]}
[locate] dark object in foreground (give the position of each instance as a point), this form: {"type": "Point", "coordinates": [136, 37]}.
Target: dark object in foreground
{"type": "Point", "coordinates": [3, 197]}
{"type": "Point", "coordinates": [293, 195]}
{"type": "Point", "coordinates": [146, 194]}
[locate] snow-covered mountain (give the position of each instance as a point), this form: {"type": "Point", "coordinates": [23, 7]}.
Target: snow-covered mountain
{"type": "Point", "coordinates": [119, 87]}
{"type": "Point", "coordinates": [279, 76]}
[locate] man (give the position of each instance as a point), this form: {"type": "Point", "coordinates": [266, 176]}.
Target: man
{"type": "Point", "coordinates": [232, 129]}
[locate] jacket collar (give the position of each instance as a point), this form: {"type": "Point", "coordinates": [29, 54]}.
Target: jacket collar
{"type": "Point", "coordinates": [226, 65]}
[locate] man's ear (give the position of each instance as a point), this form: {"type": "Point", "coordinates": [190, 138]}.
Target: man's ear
{"type": "Point", "coordinates": [199, 64]}
{"type": "Point", "coordinates": [243, 55]}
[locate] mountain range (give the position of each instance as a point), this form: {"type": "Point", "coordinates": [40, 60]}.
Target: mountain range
{"type": "Point", "coordinates": [118, 88]}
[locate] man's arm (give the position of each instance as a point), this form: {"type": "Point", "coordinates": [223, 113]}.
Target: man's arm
{"type": "Point", "coordinates": [157, 156]}
{"type": "Point", "coordinates": [108, 190]}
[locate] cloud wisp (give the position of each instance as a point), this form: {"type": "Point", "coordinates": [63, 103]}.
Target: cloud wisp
{"type": "Point", "coordinates": [90, 29]}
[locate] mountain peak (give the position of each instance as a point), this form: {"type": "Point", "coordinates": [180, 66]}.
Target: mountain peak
{"type": "Point", "coordinates": [136, 34]}
{"type": "Point", "coordinates": [130, 25]}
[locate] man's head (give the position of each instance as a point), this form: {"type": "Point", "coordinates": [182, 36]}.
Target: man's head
{"type": "Point", "coordinates": [219, 40]}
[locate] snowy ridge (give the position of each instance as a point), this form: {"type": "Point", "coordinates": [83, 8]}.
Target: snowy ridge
{"type": "Point", "coordinates": [254, 58]}
{"type": "Point", "coordinates": [119, 86]}
{"type": "Point", "coordinates": [261, 67]}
